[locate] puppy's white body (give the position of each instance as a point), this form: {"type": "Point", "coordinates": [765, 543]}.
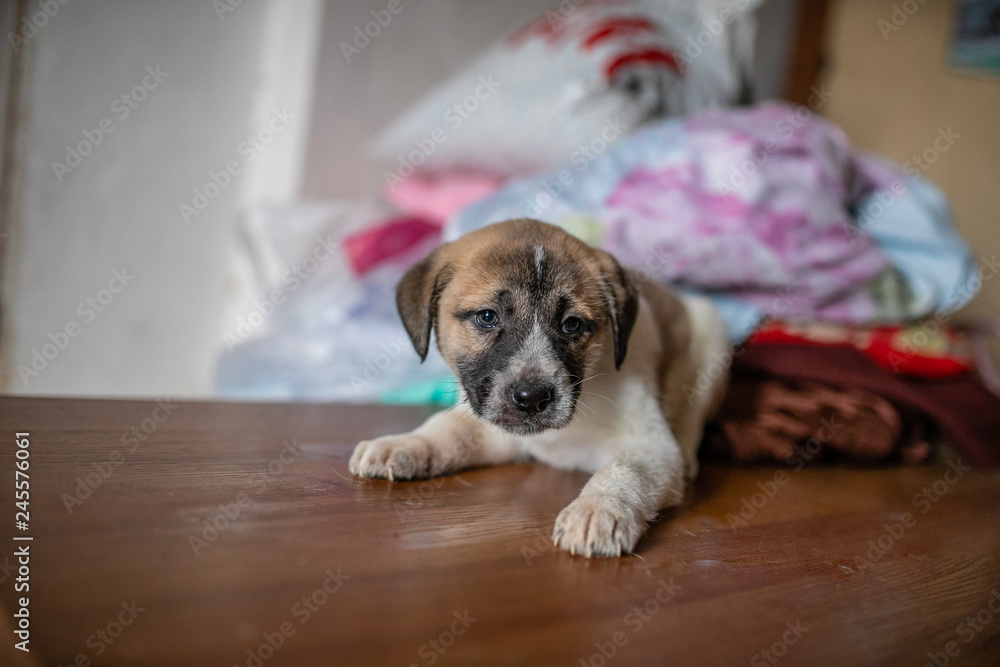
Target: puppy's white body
{"type": "Point", "coordinates": [621, 406]}
{"type": "Point", "coordinates": [637, 428]}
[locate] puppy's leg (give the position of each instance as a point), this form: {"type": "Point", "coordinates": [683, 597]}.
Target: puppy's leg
{"type": "Point", "coordinates": [449, 441]}
{"type": "Point", "coordinates": [618, 502]}
{"type": "Point", "coordinates": [696, 383]}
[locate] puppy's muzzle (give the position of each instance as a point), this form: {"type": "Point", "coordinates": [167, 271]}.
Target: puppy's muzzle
{"type": "Point", "coordinates": [531, 397]}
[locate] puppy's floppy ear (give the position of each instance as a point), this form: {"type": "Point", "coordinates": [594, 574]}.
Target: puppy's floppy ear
{"type": "Point", "coordinates": [622, 299]}
{"type": "Point", "coordinates": [417, 297]}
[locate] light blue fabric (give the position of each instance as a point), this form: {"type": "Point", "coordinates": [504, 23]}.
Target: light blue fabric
{"type": "Point", "coordinates": [916, 233]}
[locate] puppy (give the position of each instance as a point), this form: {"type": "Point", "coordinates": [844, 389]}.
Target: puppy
{"type": "Point", "coordinates": [536, 325]}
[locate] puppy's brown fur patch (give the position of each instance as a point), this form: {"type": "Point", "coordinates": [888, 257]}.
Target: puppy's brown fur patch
{"type": "Point", "coordinates": [467, 274]}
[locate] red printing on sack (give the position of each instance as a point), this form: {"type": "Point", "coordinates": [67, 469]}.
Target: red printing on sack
{"type": "Point", "coordinates": [649, 56]}
{"type": "Point", "coordinates": [616, 27]}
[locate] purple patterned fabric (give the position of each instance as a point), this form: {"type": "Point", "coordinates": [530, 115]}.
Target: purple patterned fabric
{"type": "Point", "coordinates": [767, 209]}
{"type": "Point", "coordinates": [760, 209]}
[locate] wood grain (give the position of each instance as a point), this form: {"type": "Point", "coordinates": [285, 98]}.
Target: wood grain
{"type": "Point", "coordinates": [412, 559]}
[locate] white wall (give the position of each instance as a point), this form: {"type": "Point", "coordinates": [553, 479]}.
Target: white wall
{"type": "Point", "coordinates": [118, 210]}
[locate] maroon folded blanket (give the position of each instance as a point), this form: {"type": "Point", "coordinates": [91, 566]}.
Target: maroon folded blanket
{"type": "Point", "coordinates": [965, 411]}
{"type": "Point", "coordinates": [765, 418]}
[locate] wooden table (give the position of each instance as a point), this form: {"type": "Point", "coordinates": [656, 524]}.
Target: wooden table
{"type": "Point", "coordinates": [232, 534]}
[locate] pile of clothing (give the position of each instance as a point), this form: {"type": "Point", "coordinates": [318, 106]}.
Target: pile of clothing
{"type": "Point", "coordinates": [838, 273]}
{"type": "Point", "coordinates": [805, 392]}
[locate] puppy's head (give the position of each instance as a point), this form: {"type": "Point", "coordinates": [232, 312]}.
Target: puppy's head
{"type": "Point", "coordinates": [522, 311]}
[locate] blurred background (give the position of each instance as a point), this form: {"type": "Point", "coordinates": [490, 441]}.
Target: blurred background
{"type": "Point", "coordinates": [147, 146]}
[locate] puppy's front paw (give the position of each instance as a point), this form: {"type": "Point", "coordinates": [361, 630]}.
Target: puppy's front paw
{"type": "Point", "coordinates": [396, 457]}
{"type": "Point", "coordinates": [593, 526]}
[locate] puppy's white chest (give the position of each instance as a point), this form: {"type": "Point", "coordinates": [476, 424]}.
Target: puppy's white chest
{"type": "Point", "coordinates": [613, 408]}
{"type": "Point", "coordinates": [605, 416]}
{"type": "Point", "coordinates": [576, 446]}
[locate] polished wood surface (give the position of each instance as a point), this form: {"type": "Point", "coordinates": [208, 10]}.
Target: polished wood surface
{"type": "Point", "coordinates": [826, 566]}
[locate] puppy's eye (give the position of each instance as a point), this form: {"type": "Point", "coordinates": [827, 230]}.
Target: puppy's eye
{"type": "Point", "coordinates": [572, 325]}
{"type": "Point", "coordinates": [487, 319]}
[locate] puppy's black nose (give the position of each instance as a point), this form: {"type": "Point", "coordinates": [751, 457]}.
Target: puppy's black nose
{"type": "Point", "coordinates": [531, 398]}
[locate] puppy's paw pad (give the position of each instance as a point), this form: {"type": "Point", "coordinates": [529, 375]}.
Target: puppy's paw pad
{"type": "Point", "coordinates": [396, 457]}
{"type": "Point", "coordinates": [595, 527]}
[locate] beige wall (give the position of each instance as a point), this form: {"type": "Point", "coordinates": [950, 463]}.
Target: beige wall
{"type": "Point", "coordinates": [893, 92]}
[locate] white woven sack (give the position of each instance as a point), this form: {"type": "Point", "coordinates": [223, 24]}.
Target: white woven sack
{"type": "Point", "coordinates": [571, 81]}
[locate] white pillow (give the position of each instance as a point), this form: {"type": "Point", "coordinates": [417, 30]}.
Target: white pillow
{"type": "Point", "coordinates": [562, 87]}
